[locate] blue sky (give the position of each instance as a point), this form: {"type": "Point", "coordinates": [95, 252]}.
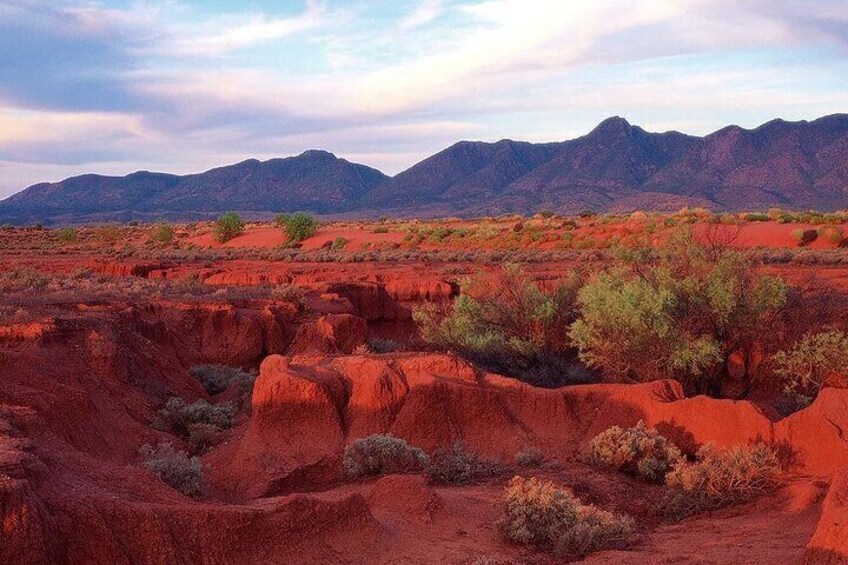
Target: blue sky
{"type": "Point", "coordinates": [185, 85]}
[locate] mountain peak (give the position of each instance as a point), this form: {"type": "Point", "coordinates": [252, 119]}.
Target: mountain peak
{"type": "Point", "coordinates": [612, 126]}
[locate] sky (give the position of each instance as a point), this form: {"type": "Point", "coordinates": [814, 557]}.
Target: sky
{"type": "Point", "coordinates": [115, 86]}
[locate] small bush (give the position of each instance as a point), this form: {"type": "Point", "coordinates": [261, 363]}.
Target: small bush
{"type": "Point", "coordinates": [541, 514]}
{"type": "Point", "coordinates": [297, 227]}
{"type": "Point", "coordinates": [201, 437]}
{"type": "Point", "coordinates": [173, 467]}
{"type": "Point", "coordinates": [381, 229]}
{"type": "Point", "coordinates": [806, 367]}
{"type": "Point", "coordinates": [639, 451]}
{"type": "Point", "coordinates": [380, 345]}
{"type": "Point", "coordinates": [162, 234]}
{"type": "Point", "coordinates": [338, 244]}
{"type": "Point", "coordinates": [177, 416]}
{"type": "Point", "coordinates": [68, 235]}
{"type": "Point", "coordinates": [529, 457]}
{"type": "Point", "coordinates": [720, 477]}
{"type": "Point", "coordinates": [381, 454]}
{"type": "Point", "coordinates": [228, 226]}
{"type": "Point", "coordinates": [805, 237]}
{"type": "Point", "coordinates": [216, 378]}
{"type": "Point", "coordinates": [757, 217]}
{"type": "Point", "coordinates": [455, 465]}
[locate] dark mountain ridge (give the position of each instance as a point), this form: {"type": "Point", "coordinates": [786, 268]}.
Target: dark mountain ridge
{"type": "Point", "coordinates": [616, 166]}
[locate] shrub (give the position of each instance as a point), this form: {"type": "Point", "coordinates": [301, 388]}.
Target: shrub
{"type": "Point", "coordinates": [338, 244]}
{"type": "Point", "coordinates": [201, 437]}
{"type": "Point", "coordinates": [509, 325]}
{"type": "Point", "coordinates": [805, 237]}
{"type": "Point", "coordinates": [216, 378]}
{"type": "Point", "coordinates": [639, 451]}
{"type": "Point", "coordinates": [720, 477]}
{"type": "Point", "coordinates": [173, 467]}
{"type": "Point", "coordinates": [681, 313]}
{"type": "Point", "coordinates": [162, 234]}
{"type": "Point", "coordinates": [455, 465]}
{"type": "Point", "coordinates": [380, 345]}
{"type": "Point", "coordinates": [228, 226]}
{"type": "Point", "coordinates": [297, 227]}
{"type": "Point", "coordinates": [68, 235]}
{"type": "Point", "coordinates": [546, 214]}
{"type": "Point", "coordinates": [757, 217]}
{"type": "Point", "coordinates": [529, 457]}
{"type": "Point", "coordinates": [380, 229]}
{"type": "Point", "coordinates": [541, 514]}
{"type": "Point", "coordinates": [380, 454]}
{"type": "Point", "coordinates": [806, 367]}
{"type": "Point", "coordinates": [177, 416]}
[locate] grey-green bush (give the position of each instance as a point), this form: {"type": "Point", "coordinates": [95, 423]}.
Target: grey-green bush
{"type": "Point", "coordinates": [382, 454]}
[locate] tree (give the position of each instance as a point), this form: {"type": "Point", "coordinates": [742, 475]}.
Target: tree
{"type": "Point", "coordinates": [806, 367]}
{"type": "Point", "coordinates": [297, 227]}
{"type": "Point", "coordinates": [228, 226]}
{"type": "Point", "coordinates": [680, 314]}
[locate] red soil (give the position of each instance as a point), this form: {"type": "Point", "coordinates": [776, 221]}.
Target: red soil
{"type": "Point", "coordinates": [81, 380]}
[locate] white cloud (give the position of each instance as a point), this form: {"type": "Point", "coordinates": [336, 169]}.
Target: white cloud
{"type": "Point", "coordinates": [426, 12]}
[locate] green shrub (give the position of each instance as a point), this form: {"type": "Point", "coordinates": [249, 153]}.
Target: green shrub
{"type": "Point", "coordinates": [806, 367]}
{"type": "Point", "coordinates": [456, 465]}
{"type": "Point", "coordinates": [298, 226]}
{"type": "Point", "coordinates": [639, 451]}
{"type": "Point", "coordinates": [757, 217]}
{"type": "Point", "coordinates": [68, 235]}
{"type": "Point", "coordinates": [720, 477]}
{"type": "Point", "coordinates": [546, 214]}
{"type": "Point", "coordinates": [804, 237]}
{"type": "Point", "coordinates": [382, 454]}
{"type": "Point", "coordinates": [162, 234]}
{"type": "Point", "coordinates": [508, 324]}
{"type": "Point", "coordinates": [338, 244]}
{"type": "Point", "coordinates": [681, 314]}
{"type": "Point", "coordinates": [216, 378]}
{"type": "Point", "coordinates": [380, 229]}
{"type": "Point", "coordinates": [173, 467]}
{"type": "Point", "coordinates": [540, 514]}
{"type": "Point", "coordinates": [228, 226]}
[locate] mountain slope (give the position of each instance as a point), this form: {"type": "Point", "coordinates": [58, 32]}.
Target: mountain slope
{"type": "Point", "coordinates": [617, 166]}
{"type": "Point", "coordinates": [314, 180]}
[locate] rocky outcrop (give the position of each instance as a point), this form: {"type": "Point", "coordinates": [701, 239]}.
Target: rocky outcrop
{"type": "Point", "coordinates": [829, 545]}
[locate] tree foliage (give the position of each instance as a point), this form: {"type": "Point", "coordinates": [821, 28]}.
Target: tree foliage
{"type": "Point", "coordinates": [680, 315]}
{"type": "Point", "coordinates": [806, 367]}
{"type": "Point", "coordinates": [228, 226]}
{"type": "Point", "coordinates": [297, 227]}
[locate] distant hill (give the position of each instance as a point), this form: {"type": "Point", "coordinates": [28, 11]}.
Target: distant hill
{"type": "Point", "coordinates": [617, 166]}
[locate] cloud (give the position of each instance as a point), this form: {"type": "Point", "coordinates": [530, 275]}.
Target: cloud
{"type": "Point", "coordinates": [218, 37]}
{"type": "Point", "coordinates": [167, 84]}
{"type": "Point", "coordinates": [426, 12]}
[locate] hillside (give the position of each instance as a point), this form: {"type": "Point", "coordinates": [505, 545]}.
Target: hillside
{"type": "Point", "coordinates": [617, 167]}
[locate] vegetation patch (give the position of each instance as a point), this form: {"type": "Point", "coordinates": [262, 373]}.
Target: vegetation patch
{"type": "Point", "coordinates": [640, 451]}
{"type": "Point", "coordinates": [543, 515]}
{"type": "Point", "coordinates": [382, 454]}
{"type": "Point", "coordinates": [173, 467]}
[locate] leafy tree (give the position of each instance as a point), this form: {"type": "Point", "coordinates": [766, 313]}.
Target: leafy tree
{"type": "Point", "coordinates": [681, 314]}
{"type": "Point", "coordinates": [297, 227]}
{"type": "Point", "coordinates": [806, 367]}
{"type": "Point", "coordinates": [228, 226]}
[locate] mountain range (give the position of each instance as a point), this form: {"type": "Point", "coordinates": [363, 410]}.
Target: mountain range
{"type": "Point", "coordinates": [615, 167]}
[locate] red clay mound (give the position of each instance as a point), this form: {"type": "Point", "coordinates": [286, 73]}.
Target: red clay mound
{"type": "Point", "coordinates": [306, 410]}
{"type": "Point", "coordinates": [333, 333]}
{"type": "Point", "coordinates": [818, 435]}
{"type": "Point", "coordinates": [829, 545]}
